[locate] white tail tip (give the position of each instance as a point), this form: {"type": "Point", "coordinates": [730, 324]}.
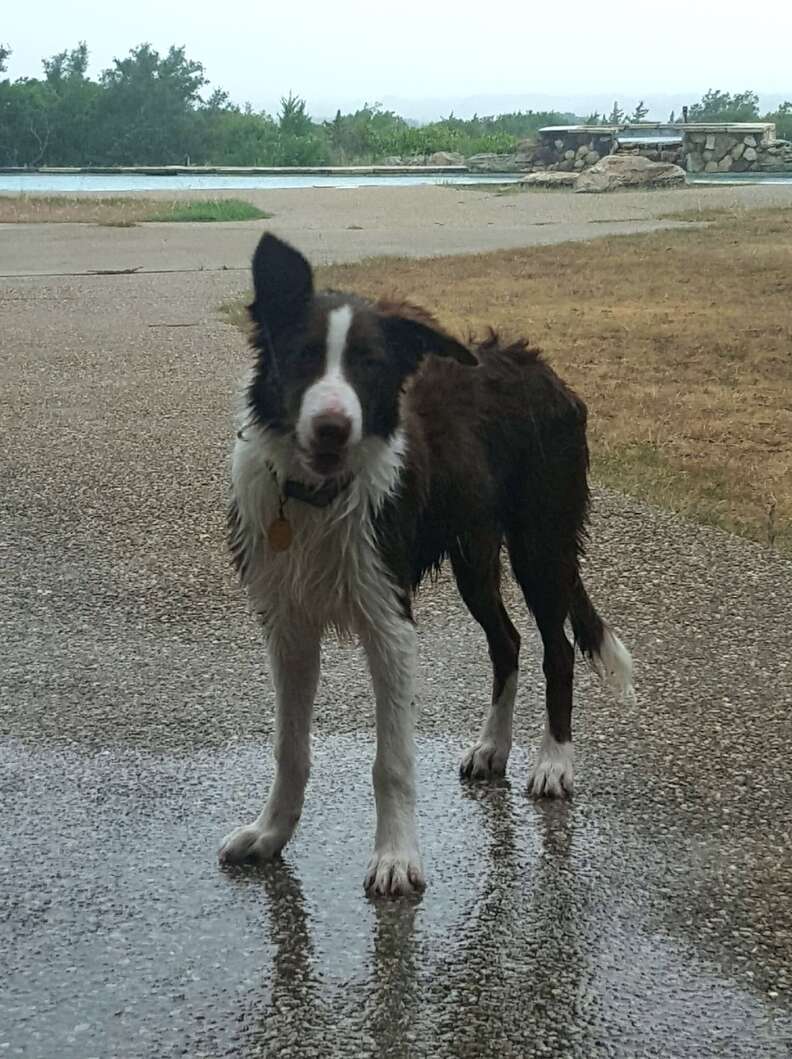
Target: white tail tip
{"type": "Point", "coordinates": [613, 664]}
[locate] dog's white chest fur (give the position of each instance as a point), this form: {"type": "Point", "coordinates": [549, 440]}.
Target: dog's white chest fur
{"type": "Point", "coordinates": [331, 574]}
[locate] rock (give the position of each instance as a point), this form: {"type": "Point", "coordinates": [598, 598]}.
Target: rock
{"type": "Point", "coordinates": [582, 151]}
{"type": "Point", "coordinates": [740, 166]}
{"type": "Point", "coordinates": [738, 150]}
{"type": "Point", "coordinates": [493, 163]}
{"type": "Point", "coordinates": [559, 145]}
{"type": "Point", "coordinates": [446, 158]}
{"type": "Point", "coordinates": [580, 163]}
{"type": "Point", "coordinates": [392, 159]}
{"type": "Point", "coordinates": [550, 180]}
{"type": "Point", "coordinates": [710, 142]}
{"type": "Point", "coordinates": [566, 166]}
{"type": "Point", "coordinates": [749, 141]}
{"type": "Point", "coordinates": [694, 163]}
{"type": "Point", "coordinates": [749, 154]}
{"type": "Point", "coordinates": [723, 145]}
{"type": "Point", "coordinates": [698, 137]}
{"type": "Point", "coordinates": [711, 167]}
{"type": "Point", "coordinates": [725, 164]}
{"type": "Point", "coordinates": [592, 157]}
{"type": "Point", "coordinates": [624, 171]}
{"type": "Point", "coordinates": [709, 156]}
{"type": "Point", "coordinates": [569, 156]}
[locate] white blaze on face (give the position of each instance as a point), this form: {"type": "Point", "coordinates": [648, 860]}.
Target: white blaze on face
{"type": "Point", "coordinates": [331, 394]}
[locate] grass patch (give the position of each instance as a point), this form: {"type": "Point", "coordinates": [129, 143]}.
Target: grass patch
{"type": "Point", "coordinates": [123, 211]}
{"type": "Point", "coordinates": [680, 342]}
{"type": "Point", "coordinates": [234, 312]}
{"type": "Point", "coordinates": [210, 210]}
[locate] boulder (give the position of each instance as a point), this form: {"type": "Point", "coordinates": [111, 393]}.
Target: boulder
{"type": "Point", "coordinates": [738, 150]}
{"type": "Point", "coordinates": [711, 167]}
{"type": "Point", "coordinates": [582, 151]}
{"type": "Point", "coordinates": [493, 163]}
{"type": "Point", "coordinates": [391, 159]}
{"type": "Point", "coordinates": [629, 171]}
{"type": "Point", "coordinates": [555, 179]}
{"type": "Point", "coordinates": [749, 154]}
{"type": "Point", "coordinates": [446, 158]}
{"type": "Point", "coordinates": [725, 164]}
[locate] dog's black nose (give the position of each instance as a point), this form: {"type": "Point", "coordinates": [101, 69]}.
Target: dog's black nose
{"type": "Point", "coordinates": [331, 431]}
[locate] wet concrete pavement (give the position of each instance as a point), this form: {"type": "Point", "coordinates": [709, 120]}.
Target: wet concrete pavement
{"type": "Point", "coordinates": [651, 916]}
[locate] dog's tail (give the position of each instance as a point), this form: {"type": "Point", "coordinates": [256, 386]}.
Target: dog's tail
{"type": "Point", "coordinates": [600, 646]}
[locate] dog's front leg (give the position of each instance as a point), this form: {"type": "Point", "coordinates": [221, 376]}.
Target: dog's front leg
{"type": "Point", "coordinates": [395, 868]}
{"type": "Point", "coordinates": [294, 658]}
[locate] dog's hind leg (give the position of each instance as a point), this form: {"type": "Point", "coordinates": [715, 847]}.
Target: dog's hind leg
{"type": "Point", "coordinates": [547, 584]}
{"type": "Point", "coordinates": [476, 564]}
{"type": "Point", "coordinates": [294, 657]}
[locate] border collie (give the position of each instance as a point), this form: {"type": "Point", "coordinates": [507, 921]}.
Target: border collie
{"type": "Point", "coordinates": [375, 446]}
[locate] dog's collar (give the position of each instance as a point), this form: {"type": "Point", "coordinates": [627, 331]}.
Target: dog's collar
{"type": "Point", "coordinates": [315, 495]}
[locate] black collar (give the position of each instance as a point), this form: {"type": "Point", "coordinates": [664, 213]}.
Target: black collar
{"type": "Point", "coordinates": [316, 496]}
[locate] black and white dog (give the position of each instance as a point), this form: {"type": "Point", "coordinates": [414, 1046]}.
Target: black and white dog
{"type": "Point", "coordinates": [375, 446]}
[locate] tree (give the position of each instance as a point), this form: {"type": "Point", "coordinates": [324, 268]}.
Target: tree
{"type": "Point", "coordinates": [616, 116]}
{"type": "Point", "coordinates": [293, 119]}
{"type": "Point", "coordinates": [72, 108]}
{"type": "Point", "coordinates": [722, 106]}
{"type": "Point", "coordinates": [5, 55]}
{"type": "Point", "coordinates": [783, 120]}
{"type": "Point", "coordinates": [639, 113]}
{"type": "Point", "coordinates": [147, 111]}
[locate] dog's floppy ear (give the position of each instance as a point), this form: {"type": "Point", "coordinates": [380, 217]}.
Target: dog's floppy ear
{"type": "Point", "coordinates": [412, 333]}
{"type": "Point", "coordinates": [282, 284]}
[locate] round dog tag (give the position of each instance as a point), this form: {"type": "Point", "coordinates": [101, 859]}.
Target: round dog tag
{"type": "Point", "coordinates": [279, 535]}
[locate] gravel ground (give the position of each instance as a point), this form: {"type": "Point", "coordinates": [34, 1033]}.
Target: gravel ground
{"type": "Point", "coordinates": [652, 916]}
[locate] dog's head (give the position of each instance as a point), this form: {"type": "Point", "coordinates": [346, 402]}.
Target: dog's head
{"type": "Point", "coordinates": [331, 367]}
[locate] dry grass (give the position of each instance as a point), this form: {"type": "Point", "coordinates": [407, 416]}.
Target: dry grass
{"type": "Point", "coordinates": [680, 342]}
{"type": "Point", "coordinates": [121, 211]}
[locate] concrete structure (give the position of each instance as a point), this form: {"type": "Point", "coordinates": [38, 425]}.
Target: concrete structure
{"type": "Point", "coordinates": [699, 147]}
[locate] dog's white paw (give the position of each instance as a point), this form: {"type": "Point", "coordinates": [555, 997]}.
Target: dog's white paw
{"type": "Point", "coordinates": [394, 873]}
{"type": "Point", "coordinates": [553, 773]}
{"type": "Point", "coordinates": [484, 759]}
{"type": "Point", "coordinates": [251, 844]}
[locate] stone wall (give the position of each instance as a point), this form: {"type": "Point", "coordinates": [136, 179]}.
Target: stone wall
{"type": "Point", "coordinates": [655, 152]}
{"type": "Point", "coordinates": [735, 151]}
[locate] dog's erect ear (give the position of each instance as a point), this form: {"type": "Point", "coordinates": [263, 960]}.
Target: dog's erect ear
{"type": "Point", "coordinates": [412, 334]}
{"type": "Point", "coordinates": [282, 284]}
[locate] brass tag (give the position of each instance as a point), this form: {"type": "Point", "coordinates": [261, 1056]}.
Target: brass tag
{"type": "Point", "coordinates": [279, 535]}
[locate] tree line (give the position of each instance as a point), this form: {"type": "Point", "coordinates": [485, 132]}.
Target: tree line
{"type": "Point", "coordinates": [152, 109]}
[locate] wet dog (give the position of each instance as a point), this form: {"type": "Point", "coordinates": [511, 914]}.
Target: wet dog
{"type": "Point", "coordinates": [376, 446]}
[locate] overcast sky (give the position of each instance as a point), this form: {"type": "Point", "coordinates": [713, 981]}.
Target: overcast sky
{"type": "Point", "coordinates": [426, 55]}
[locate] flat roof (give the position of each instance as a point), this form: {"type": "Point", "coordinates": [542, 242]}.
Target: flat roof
{"type": "Point", "coordinates": [690, 126]}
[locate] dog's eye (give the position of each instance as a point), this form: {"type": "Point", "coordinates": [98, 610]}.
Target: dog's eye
{"type": "Point", "coordinates": [311, 355]}
{"type": "Point", "coordinates": [364, 357]}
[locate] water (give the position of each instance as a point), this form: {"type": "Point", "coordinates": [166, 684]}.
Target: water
{"type": "Point", "coordinates": [66, 183]}
{"type": "Point", "coordinates": [722, 179]}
